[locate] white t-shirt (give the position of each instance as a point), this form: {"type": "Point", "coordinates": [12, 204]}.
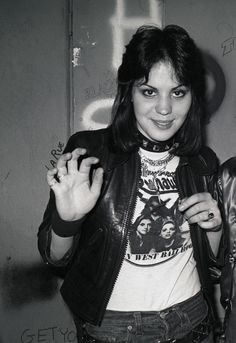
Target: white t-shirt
{"type": "Point", "coordinates": [159, 269]}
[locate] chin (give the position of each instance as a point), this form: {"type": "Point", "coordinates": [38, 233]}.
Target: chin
{"type": "Point", "coordinates": [161, 138]}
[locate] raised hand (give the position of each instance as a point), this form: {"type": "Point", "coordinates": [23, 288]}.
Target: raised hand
{"type": "Point", "coordinates": [202, 209]}
{"type": "Point", "coordinates": [75, 193]}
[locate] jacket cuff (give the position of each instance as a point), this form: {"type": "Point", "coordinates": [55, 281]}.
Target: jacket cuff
{"type": "Point", "coordinates": [64, 228]}
{"type": "Point", "coordinates": [65, 260]}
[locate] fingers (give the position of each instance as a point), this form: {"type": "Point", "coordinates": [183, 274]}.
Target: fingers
{"type": "Point", "coordinates": [201, 208]}
{"type": "Point", "coordinates": [51, 177]}
{"type": "Point", "coordinates": [68, 163]}
{"type": "Point", "coordinates": [62, 163]}
{"type": "Point", "coordinates": [97, 181]}
{"type": "Point", "coordinates": [72, 163]}
{"type": "Point", "coordinates": [193, 199]}
{"type": "Point", "coordinates": [86, 164]}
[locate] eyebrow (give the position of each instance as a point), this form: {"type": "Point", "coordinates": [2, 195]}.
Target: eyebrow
{"type": "Point", "coordinates": [174, 88]}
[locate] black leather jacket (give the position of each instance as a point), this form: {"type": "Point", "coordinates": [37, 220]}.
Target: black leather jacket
{"type": "Point", "coordinates": [95, 259]}
{"type": "Point", "coordinates": [227, 179]}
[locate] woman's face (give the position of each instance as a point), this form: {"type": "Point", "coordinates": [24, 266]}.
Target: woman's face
{"type": "Point", "coordinates": [161, 105]}
{"type": "Point", "coordinates": [144, 226]}
{"type": "Point", "coordinates": [167, 230]}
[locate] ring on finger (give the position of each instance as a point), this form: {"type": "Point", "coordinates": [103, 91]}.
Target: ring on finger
{"type": "Point", "coordinates": [210, 215]}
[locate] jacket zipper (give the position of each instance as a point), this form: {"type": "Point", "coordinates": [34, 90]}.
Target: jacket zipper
{"type": "Point", "coordinates": [126, 225]}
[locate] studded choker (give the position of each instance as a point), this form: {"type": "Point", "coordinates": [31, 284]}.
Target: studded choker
{"type": "Point", "coordinates": [149, 145]}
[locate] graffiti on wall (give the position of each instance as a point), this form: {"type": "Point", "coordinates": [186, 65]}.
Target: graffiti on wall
{"type": "Point", "coordinates": [228, 45]}
{"type": "Point", "coordinates": [48, 335]}
{"type": "Point", "coordinates": [54, 155]}
{"type": "Point", "coordinates": [102, 96]}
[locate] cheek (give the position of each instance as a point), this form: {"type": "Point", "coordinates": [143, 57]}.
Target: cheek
{"type": "Point", "coordinates": [182, 115]}
{"type": "Point", "coordinates": [182, 108]}
{"type": "Point", "coordinates": [141, 108]}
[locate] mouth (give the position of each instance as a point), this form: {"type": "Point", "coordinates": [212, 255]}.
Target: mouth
{"type": "Point", "coordinates": [163, 125]}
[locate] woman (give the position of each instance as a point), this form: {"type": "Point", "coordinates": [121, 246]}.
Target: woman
{"type": "Point", "coordinates": [140, 237]}
{"type": "Point", "coordinates": [169, 236]}
{"type": "Point", "coordinates": [101, 185]}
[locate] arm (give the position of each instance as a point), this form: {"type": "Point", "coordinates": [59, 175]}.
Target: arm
{"type": "Point", "coordinates": [73, 196]}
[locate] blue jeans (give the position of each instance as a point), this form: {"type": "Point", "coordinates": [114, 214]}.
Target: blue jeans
{"type": "Point", "coordinates": [176, 322]}
{"type": "Point", "coordinates": [231, 325]}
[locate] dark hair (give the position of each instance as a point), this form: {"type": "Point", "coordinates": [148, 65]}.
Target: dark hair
{"type": "Point", "coordinates": [139, 219]}
{"type": "Point", "coordinates": [150, 45]}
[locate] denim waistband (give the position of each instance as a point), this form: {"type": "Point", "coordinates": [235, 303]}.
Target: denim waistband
{"type": "Point", "coordinates": [174, 322]}
{"type": "Point", "coordinates": [194, 307]}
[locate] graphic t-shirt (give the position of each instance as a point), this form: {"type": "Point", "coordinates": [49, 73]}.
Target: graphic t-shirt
{"type": "Point", "coordinates": [158, 270]}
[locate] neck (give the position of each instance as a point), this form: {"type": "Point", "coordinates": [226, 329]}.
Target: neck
{"type": "Point", "coordinates": [155, 146]}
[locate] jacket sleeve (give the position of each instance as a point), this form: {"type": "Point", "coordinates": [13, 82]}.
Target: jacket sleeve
{"type": "Point", "coordinates": [212, 184]}
{"type": "Point", "coordinates": [217, 262]}
{"type": "Point", "coordinates": [228, 182]}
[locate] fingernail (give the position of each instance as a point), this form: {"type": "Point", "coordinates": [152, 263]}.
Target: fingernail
{"type": "Point", "coordinates": [83, 151]}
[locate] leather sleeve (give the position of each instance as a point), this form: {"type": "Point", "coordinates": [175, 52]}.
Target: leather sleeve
{"type": "Point", "coordinates": [228, 182]}
{"type": "Point", "coordinates": [93, 141]}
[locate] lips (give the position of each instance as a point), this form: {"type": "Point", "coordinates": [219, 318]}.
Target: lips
{"type": "Point", "coordinates": [164, 125]}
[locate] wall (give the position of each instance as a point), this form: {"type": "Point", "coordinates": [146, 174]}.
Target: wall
{"type": "Point", "coordinates": [34, 127]}
{"type": "Point", "coordinates": [98, 45]}
{"type": "Point", "coordinates": [98, 42]}
{"type": "Point", "coordinates": [212, 24]}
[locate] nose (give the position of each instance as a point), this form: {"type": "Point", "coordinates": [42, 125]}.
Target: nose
{"type": "Point", "coordinates": [164, 106]}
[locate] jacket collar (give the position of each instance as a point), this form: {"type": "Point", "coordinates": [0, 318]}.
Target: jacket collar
{"type": "Point", "coordinates": [204, 163]}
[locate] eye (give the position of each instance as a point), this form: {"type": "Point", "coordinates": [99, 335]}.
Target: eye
{"type": "Point", "coordinates": [179, 93]}
{"type": "Point", "coordinates": [149, 93]}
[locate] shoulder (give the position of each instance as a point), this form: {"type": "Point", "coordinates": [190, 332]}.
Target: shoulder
{"type": "Point", "coordinates": [92, 140]}
{"type": "Point", "coordinates": [98, 143]}
{"type": "Point", "coordinates": [205, 162]}
{"type": "Point", "coordinates": [229, 167]}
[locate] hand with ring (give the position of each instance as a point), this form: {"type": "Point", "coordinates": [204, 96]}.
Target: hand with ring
{"type": "Point", "coordinates": [202, 209]}
{"type": "Point", "coordinates": [75, 193]}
